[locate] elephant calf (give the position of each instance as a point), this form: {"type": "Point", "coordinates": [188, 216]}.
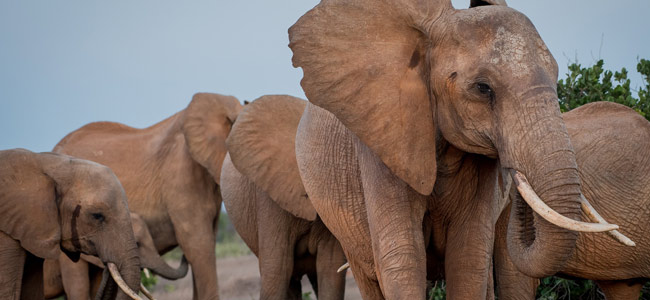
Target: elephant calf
{"type": "Point", "coordinates": [612, 146]}
{"type": "Point", "coordinates": [268, 205]}
{"type": "Point", "coordinates": [81, 279]}
{"type": "Point", "coordinates": [51, 202]}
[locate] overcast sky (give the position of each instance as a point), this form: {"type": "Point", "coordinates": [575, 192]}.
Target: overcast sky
{"type": "Point", "coordinates": [67, 63]}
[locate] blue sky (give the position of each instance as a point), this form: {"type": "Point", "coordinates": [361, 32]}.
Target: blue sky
{"type": "Point", "coordinates": [67, 63]}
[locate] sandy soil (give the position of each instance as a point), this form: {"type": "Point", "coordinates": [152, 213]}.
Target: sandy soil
{"type": "Point", "coordinates": [239, 279]}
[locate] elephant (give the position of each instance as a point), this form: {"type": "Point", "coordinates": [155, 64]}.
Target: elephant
{"type": "Point", "coordinates": [415, 107]}
{"type": "Point", "coordinates": [170, 172]}
{"type": "Point", "coordinates": [82, 279]}
{"type": "Point", "coordinates": [612, 147]}
{"type": "Point", "coordinates": [51, 203]}
{"type": "Point", "coordinates": [268, 206]}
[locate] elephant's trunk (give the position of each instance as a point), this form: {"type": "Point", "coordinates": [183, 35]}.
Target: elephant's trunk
{"type": "Point", "coordinates": [128, 264]}
{"type": "Point", "coordinates": [545, 156]}
{"type": "Point", "coordinates": [160, 267]}
{"type": "Point", "coordinates": [129, 269]}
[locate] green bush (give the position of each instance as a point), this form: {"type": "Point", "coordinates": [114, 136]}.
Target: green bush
{"type": "Point", "coordinates": [589, 84]}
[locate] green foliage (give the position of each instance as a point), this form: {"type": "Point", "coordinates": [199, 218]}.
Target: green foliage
{"type": "Point", "coordinates": [306, 296]}
{"type": "Point", "coordinates": [229, 243]}
{"type": "Point", "coordinates": [589, 84]}
{"type": "Point", "coordinates": [553, 288]}
{"type": "Point", "coordinates": [438, 291]}
{"type": "Point", "coordinates": [232, 248]}
{"type": "Point", "coordinates": [225, 230]}
{"type": "Point", "coordinates": [150, 282]}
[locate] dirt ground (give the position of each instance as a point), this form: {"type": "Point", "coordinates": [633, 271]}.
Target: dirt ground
{"type": "Point", "coordinates": [239, 279]}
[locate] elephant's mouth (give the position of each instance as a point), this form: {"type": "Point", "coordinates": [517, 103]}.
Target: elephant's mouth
{"type": "Point", "coordinates": [524, 216]}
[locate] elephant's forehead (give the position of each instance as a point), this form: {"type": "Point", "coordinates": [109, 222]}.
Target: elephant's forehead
{"type": "Point", "coordinates": [518, 51]}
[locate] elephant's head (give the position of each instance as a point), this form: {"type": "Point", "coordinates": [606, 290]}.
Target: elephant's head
{"type": "Point", "coordinates": [149, 256]}
{"type": "Point", "coordinates": [262, 148]}
{"type": "Point", "coordinates": [57, 202]}
{"type": "Point", "coordinates": [206, 125]}
{"type": "Point", "coordinates": [405, 76]}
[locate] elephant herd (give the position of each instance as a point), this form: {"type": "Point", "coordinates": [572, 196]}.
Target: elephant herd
{"type": "Point", "coordinates": [432, 147]}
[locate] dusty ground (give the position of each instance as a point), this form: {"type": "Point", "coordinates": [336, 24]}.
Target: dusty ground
{"type": "Point", "coordinates": [239, 279]}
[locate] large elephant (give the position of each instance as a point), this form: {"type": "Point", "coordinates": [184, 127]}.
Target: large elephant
{"type": "Point", "coordinates": [80, 280]}
{"type": "Point", "coordinates": [51, 202]}
{"type": "Point", "coordinates": [416, 108]}
{"type": "Point", "coordinates": [612, 146]}
{"type": "Point", "coordinates": [170, 172]}
{"type": "Point", "coordinates": [268, 205]}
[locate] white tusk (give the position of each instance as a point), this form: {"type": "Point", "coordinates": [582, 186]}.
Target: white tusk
{"type": "Point", "coordinates": [591, 212]}
{"type": "Point", "coordinates": [146, 292]}
{"type": "Point", "coordinates": [343, 267]}
{"type": "Point", "coordinates": [146, 273]}
{"type": "Point", "coordinates": [551, 215]}
{"type": "Point", "coordinates": [115, 273]}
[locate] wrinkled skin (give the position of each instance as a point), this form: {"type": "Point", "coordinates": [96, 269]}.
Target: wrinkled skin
{"type": "Point", "coordinates": [52, 202]}
{"type": "Point", "coordinates": [81, 280]}
{"type": "Point", "coordinates": [612, 144]}
{"type": "Point", "coordinates": [170, 172]}
{"type": "Point", "coordinates": [267, 204]}
{"type": "Point", "coordinates": [417, 106]}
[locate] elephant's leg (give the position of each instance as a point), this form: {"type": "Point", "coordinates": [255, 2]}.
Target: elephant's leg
{"type": "Point", "coordinates": [295, 289]}
{"type": "Point", "coordinates": [194, 230]}
{"type": "Point", "coordinates": [32, 286]}
{"type": "Point", "coordinates": [368, 288]}
{"type": "Point", "coordinates": [329, 257]}
{"type": "Point", "coordinates": [12, 260]}
{"type": "Point", "coordinates": [511, 284]}
{"type": "Point", "coordinates": [395, 215]}
{"type": "Point", "coordinates": [329, 169]}
{"type": "Point", "coordinates": [277, 239]}
{"type": "Point", "coordinates": [621, 290]}
{"type": "Point", "coordinates": [467, 260]}
{"type": "Point", "coordinates": [75, 278]}
{"type": "Point", "coordinates": [471, 210]}
{"type": "Point", "coordinates": [490, 285]}
{"type": "Point", "coordinates": [52, 281]}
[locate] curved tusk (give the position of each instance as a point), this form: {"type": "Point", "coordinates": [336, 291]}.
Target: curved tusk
{"type": "Point", "coordinates": [146, 292]}
{"type": "Point", "coordinates": [115, 273]}
{"type": "Point", "coordinates": [551, 215]}
{"type": "Point", "coordinates": [344, 267]}
{"type": "Point", "coordinates": [147, 274]}
{"type": "Point", "coordinates": [594, 216]}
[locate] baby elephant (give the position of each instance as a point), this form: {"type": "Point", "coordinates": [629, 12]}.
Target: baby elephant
{"type": "Point", "coordinates": [51, 203]}
{"type": "Point", "coordinates": [268, 205]}
{"type": "Point", "coordinates": [82, 279]}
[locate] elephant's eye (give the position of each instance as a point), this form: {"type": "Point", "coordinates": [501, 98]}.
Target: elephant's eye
{"type": "Point", "coordinates": [484, 89]}
{"type": "Point", "coordinates": [98, 217]}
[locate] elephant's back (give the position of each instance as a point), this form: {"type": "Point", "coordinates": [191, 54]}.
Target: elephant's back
{"type": "Point", "coordinates": [105, 134]}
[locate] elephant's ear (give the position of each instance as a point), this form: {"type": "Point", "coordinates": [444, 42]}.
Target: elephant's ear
{"type": "Point", "coordinates": [262, 148]}
{"type": "Point", "coordinates": [366, 62]}
{"type": "Point", "coordinates": [28, 203]}
{"type": "Point", "coordinates": [207, 123]}
{"type": "Point", "coordinates": [475, 3]}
